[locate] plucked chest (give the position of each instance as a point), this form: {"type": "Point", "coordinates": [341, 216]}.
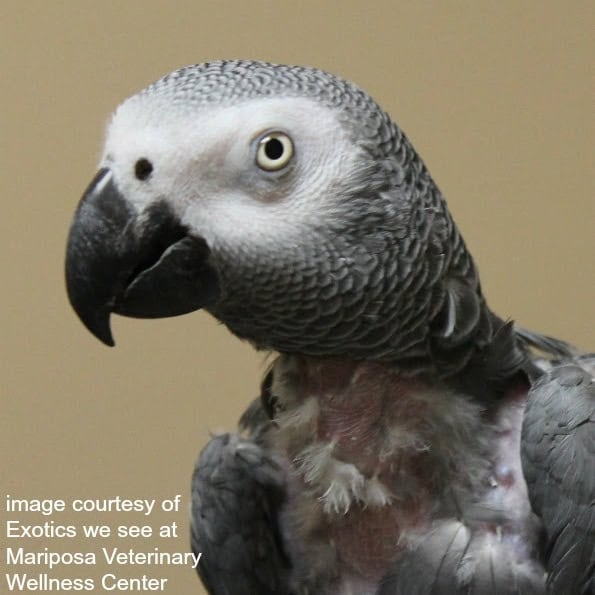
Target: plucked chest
{"type": "Point", "coordinates": [380, 465]}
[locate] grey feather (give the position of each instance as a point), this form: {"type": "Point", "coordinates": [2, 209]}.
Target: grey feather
{"type": "Point", "coordinates": [450, 559]}
{"type": "Point", "coordinates": [237, 490]}
{"type": "Point", "coordinates": [558, 452]}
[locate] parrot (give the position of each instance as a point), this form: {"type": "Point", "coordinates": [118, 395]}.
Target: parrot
{"type": "Point", "coordinates": [405, 439]}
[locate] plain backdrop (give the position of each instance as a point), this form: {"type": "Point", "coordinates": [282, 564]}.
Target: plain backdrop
{"type": "Point", "coordinates": [496, 97]}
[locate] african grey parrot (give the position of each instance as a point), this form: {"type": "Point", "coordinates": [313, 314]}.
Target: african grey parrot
{"type": "Point", "coordinates": [407, 440]}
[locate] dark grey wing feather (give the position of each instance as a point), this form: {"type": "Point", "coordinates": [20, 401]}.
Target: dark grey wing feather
{"type": "Point", "coordinates": [236, 492]}
{"type": "Point", "coordinates": [550, 345]}
{"type": "Point", "coordinates": [558, 453]}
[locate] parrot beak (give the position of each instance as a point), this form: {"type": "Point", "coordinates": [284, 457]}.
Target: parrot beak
{"type": "Point", "coordinates": [140, 264]}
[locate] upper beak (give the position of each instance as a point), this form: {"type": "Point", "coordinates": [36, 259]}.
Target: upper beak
{"type": "Point", "coordinates": [143, 264]}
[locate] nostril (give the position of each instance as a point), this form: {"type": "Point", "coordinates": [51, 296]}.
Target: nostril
{"type": "Point", "coordinates": [143, 168]}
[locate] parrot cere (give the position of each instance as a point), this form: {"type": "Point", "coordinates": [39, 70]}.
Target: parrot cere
{"type": "Point", "coordinates": [406, 439]}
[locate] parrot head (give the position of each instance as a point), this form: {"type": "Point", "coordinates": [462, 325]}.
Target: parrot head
{"type": "Point", "coordinates": [285, 202]}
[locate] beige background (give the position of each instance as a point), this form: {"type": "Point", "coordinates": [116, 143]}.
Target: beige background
{"type": "Point", "coordinates": [495, 96]}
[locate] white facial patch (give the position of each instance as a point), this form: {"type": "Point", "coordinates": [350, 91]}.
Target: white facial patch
{"type": "Point", "coordinates": [204, 164]}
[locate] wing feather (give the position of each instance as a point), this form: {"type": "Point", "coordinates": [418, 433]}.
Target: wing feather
{"type": "Point", "coordinates": [558, 453]}
{"type": "Point", "coordinates": [236, 493]}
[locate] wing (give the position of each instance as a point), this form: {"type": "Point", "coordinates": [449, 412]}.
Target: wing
{"type": "Point", "coordinates": [558, 453]}
{"type": "Point", "coordinates": [236, 492]}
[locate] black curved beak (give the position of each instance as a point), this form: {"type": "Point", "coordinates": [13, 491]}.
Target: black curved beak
{"type": "Point", "coordinates": [140, 264]}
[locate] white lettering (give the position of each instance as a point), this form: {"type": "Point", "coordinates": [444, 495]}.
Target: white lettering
{"type": "Point", "coordinates": [110, 582]}
{"type": "Point", "coordinates": [116, 504]}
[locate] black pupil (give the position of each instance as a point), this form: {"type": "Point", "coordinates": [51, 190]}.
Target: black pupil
{"type": "Point", "coordinates": [143, 169]}
{"type": "Point", "coordinates": [273, 148]}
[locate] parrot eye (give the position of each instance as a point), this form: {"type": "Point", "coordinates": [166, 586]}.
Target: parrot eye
{"type": "Point", "coordinates": [274, 151]}
{"type": "Point", "coordinates": [143, 169]}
